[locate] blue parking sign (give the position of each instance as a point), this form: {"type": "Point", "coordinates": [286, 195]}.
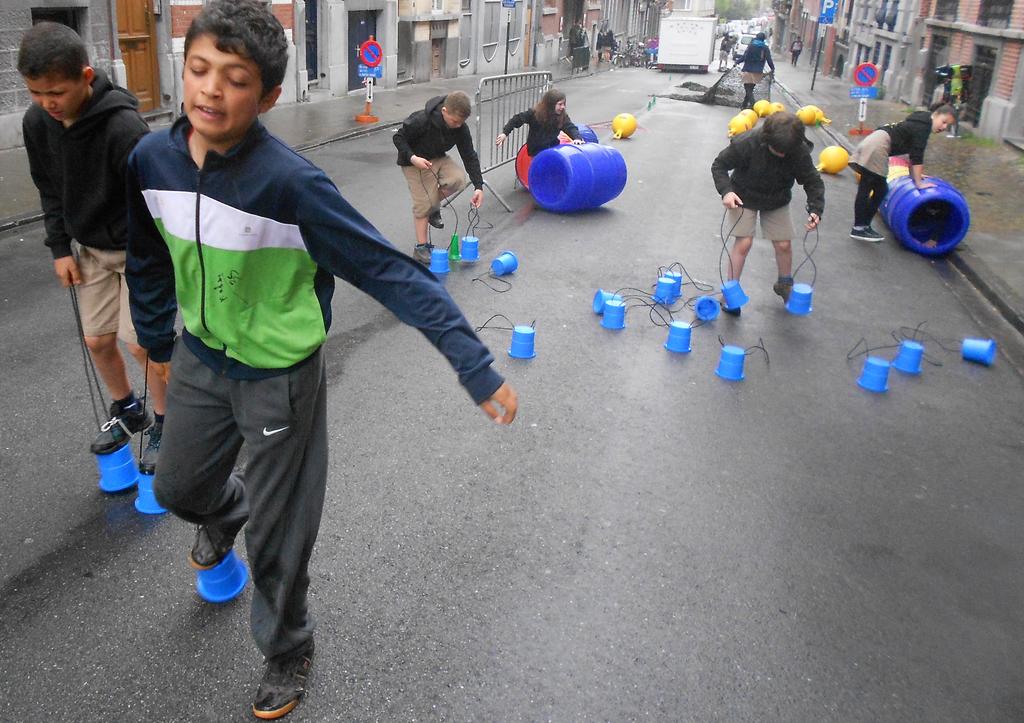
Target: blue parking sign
{"type": "Point", "coordinates": [828, 12]}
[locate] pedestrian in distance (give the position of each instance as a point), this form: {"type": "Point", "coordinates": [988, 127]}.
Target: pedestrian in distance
{"type": "Point", "coordinates": [725, 51]}
{"type": "Point", "coordinates": [78, 134]}
{"type": "Point", "coordinates": [755, 176]}
{"type": "Point", "coordinates": [795, 48]}
{"type": "Point", "coordinates": [755, 58]}
{"type": "Point", "coordinates": [423, 142]}
{"type": "Point", "coordinates": [546, 120]}
{"type": "Point", "coordinates": [245, 237]}
{"type": "Point", "coordinates": [871, 160]}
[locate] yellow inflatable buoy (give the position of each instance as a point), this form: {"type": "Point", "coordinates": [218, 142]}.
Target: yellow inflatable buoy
{"type": "Point", "coordinates": [623, 125]}
{"type": "Point", "coordinates": [751, 115]}
{"type": "Point", "coordinates": [808, 114]}
{"type": "Point", "coordinates": [833, 159]}
{"type": "Point", "coordinates": [739, 124]}
{"type": "Point", "coordinates": [820, 118]}
{"type": "Point", "coordinates": [775, 107]}
{"type": "Point", "coordinates": [762, 108]}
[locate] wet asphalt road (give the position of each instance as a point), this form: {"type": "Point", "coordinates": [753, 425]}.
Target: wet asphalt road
{"type": "Point", "coordinates": [647, 541]}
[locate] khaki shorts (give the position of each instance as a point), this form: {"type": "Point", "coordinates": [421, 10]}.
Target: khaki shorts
{"type": "Point", "coordinates": [872, 153]}
{"type": "Point", "coordinates": [423, 184]}
{"type": "Point", "coordinates": [103, 294]}
{"type": "Point", "coordinates": [750, 78]}
{"type": "Point", "coordinates": [776, 225]}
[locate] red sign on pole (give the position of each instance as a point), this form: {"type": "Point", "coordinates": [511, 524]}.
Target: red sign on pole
{"type": "Point", "coordinates": [865, 75]}
{"type": "Point", "coordinates": [370, 53]}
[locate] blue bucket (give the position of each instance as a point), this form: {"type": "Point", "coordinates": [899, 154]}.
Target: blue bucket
{"type": "Point", "coordinates": [146, 501]}
{"type": "Point", "coordinates": [982, 351]}
{"type": "Point", "coordinates": [679, 333]}
{"type": "Point", "coordinates": [677, 285]}
{"type": "Point", "coordinates": [601, 298]}
{"type": "Point", "coordinates": [224, 581]}
{"type": "Point", "coordinates": [522, 343]}
{"type": "Point", "coordinates": [587, 133]}
{"type": "Point", "coordinates": [664, 293]}
{"type": "Point", "coordinates": [916, 217]}
{"type": "Point", "coordinates": [800, 300]}
{"type": "Point", "coordinates": [733, 294]}
{"type": "Point", "coordinates": [505, 263]}
{"type": "Point", "coordinates": [614, 314]}
{"type": "Point", "coordinates": [439, 261]}
{"type": "Point", "coordinates": [118, 472]}
{"type": "Point", "coordinates": [908, 360]}
{"type": "Point", "coordinates": [707, 308]}
{"type": "Point", "coordinates": [470, 249]}
{"type": "Point", "coordinates": [573, 178]}
{"type": "Point", "coordinates": [875, 375]}
{"type": "Point", "coordinates": [730, 363]}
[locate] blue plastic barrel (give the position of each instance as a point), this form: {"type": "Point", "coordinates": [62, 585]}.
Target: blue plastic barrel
{"type": "Point", "coordinates": [938, 214]}
{"type": "Point", "coordinates": [587, 133]}
{"type": "Point", "coordinates": [572, 178]}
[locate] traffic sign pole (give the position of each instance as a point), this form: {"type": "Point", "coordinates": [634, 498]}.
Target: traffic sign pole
{"type": "Point", "coordinates": [864, 77]}
{"type": "Point", "coordinates": [370, 56]}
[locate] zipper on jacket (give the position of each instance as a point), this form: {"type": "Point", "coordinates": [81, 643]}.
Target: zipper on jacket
{"type": "Point", "coordinates": [199, 251]}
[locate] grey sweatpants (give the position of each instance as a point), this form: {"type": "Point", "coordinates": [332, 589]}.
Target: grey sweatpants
{"type": "Point", "coordinates": [282, 421]}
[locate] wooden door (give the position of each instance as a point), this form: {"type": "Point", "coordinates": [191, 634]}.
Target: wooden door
{"type": "Point", "coordinates": [135, 37]}
{"type": "Point", "coordinates": [436, 53]}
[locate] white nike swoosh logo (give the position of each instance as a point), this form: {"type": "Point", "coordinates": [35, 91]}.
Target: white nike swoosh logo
{"type": "Point", "coordinates": [268, 432]}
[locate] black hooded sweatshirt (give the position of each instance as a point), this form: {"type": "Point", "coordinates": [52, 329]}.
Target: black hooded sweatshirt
{"type": "Point", "coordinates": [762, 180]}
{"type": "Point", "coordinates": [425, 134]}
{"type": "Point", "coordinates": [80, 171]}
{"type": "Point", "coordinates": [542, 135]}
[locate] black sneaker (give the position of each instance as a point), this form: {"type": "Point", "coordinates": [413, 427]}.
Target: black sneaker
{"type": "Point", "coordinates": [731, 312]}
{"type": "Point", "coordinates": [211, 546]}
{"type": "Point", "coordinates": [147, 464]}
{"type": "Point", "coordinates": [118, 430]}
{"type": "Point", "coordinates": [434, 219]}
{"type": "Point", "coordinates": [866, 234]}
{"type": "Point", "coordinates": [283, 684]}
{"type": "Point", "coordinates": [783, 288]}
{"type": "Point", "coordinates": [421, 252]}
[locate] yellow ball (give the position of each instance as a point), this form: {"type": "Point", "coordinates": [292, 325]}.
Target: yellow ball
{"type": "Point", "coordinates": [775, 108]}
{"type": "Point", "coordinates": [833, 159]}
{"type": "Point", "coordinates": [739, 124]}
{"type": "Point", "coordinates": [762, 108]}
{"type": "Point", "coordinates": [623, 125]}
{"type": "Point", "coordinates": [749, 115]}
{"type": "Point", "coordinates": [808, 114]}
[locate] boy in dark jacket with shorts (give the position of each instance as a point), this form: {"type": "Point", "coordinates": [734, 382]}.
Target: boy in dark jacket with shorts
{"type": "Point", "coordinates": [764, 164]}
{"type": "Point", "coordinates": [246, 237]}
{"type": "Point", "coordinates": [78, 134]}
{"type": "Point", "coordinates": [423, 141]}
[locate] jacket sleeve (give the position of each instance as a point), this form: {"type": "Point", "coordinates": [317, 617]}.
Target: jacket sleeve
{"type": "Point", "coordinates": [918, 142]}
{"type": "Point", "coordinates": [808, 177]}
{"type": "Point", "coordinates": [469, 157]}
{"type": "Point", "coordinates": [768, 59]}
{"type": "Point", "coordinates": [409, 134]}
{"type": "Point", "coordinates": [57, 237]}
{"type": "Point", "coordinates": [519, 119]}
{"type": "Point", "coordinates": [344, 243]}
{"type": "Point", "coordinates": [150, 276]}
{"type": "Point", "coordinates": [570, 129]}
{"type": "Point", "coordinates": [124, 136]}
{"type": "Point", "coordinates": [728, 159]}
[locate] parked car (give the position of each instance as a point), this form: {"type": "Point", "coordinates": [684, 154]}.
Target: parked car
{"type": "Point", "coordinates": [741, 46]}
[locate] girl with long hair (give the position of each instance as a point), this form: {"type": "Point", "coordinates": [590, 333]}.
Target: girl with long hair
{"type": "Point", "coordinates": [546, 120]}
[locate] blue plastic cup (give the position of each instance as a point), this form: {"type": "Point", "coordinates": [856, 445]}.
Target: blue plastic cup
{"type": "Point", "coordinates": [118, 472]}
{"type": "Point", "coordinates": [663, 292]}
{"type": "Point", "coordinates": [875, 375]}
{"type": "Point", "coordinates": [470, 248]}
{"type": "Point", "coordinates": [730, 363]}
{"type": "Point", "coordinates": [908, 360]}
{"type": "Point", "coordinates": [800, 300]}
{"type": "Point", "coordinates": [223, 582]}
{"type": "Point", "coordinates": [522, 343]}
{"type": "Point", "coordinates": [614, 314]}
{"type": "Point", "coordinates": [707, 308]}
{"type": "Point", "coordinates": [678, 337]}
{"type": "Point", "coordinates": [732, 294]}
{"type": "Point", "coordinates": [146, 501]}
{"type": "Point", "coordinates": [601, 298]}
{"type": "Point", "coordinates": [677, 285]}
{"type": "Point", "coordinates": [506, 263]}
{"type": "Point", "coordinates": [982, 351]}
{"type": "Point", "coordinates": [439, 261]}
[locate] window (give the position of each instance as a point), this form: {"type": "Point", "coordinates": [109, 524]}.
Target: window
{"type": "Point", "coordinates": [64, 16]}
{"type": "Point", "coordinates": [946, 9]}
{"type": "Point", "coordinates": [492, 28]}
{"type": "Point", "coordinates": [995, 13]}
{"type": "Point", "coordinates": [685, 5]}
{"type": "Point", "coordinates": [438, 6]}
{"type": "Point", "coordinates": [466, 34]}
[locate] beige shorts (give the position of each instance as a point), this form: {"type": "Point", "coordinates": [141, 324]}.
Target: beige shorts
{"type": "Point", "coordinates": [753, 78]}
{"type": "Point", "coordinates": [103, 294]}
{"type": "Point", "coordinates": [872, 153]}
{"type": "Point", "coordinates": [423, 185]}
{"type": "Point", "coordinates": [776, 224]}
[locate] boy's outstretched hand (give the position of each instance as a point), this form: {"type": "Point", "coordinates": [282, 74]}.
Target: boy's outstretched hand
{"type": "Point", "coordinates": [504, 397]}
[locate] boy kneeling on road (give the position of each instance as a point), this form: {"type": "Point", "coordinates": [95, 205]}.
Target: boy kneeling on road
{"type": "Point", "coordinates": [247, 237]}
{"type": "Point", "coordinates": [764, 163]}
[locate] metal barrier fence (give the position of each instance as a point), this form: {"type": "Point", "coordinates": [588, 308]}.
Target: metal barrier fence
{"type": "Point", "coordinates": [498, 98]}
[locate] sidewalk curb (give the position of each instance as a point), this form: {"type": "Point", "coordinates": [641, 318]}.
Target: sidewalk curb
{"type": "Point", "coordinates": [1006, 301]}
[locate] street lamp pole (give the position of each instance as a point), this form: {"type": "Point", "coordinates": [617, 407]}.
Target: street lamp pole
{"type": "Point", "coordinates": [508, 36]}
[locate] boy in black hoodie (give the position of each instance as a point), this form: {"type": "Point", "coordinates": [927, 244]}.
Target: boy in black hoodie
{"type": "Point", "coordinates": [78, 134]}
{"type": "Point", "coordinates": [423, 141]}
